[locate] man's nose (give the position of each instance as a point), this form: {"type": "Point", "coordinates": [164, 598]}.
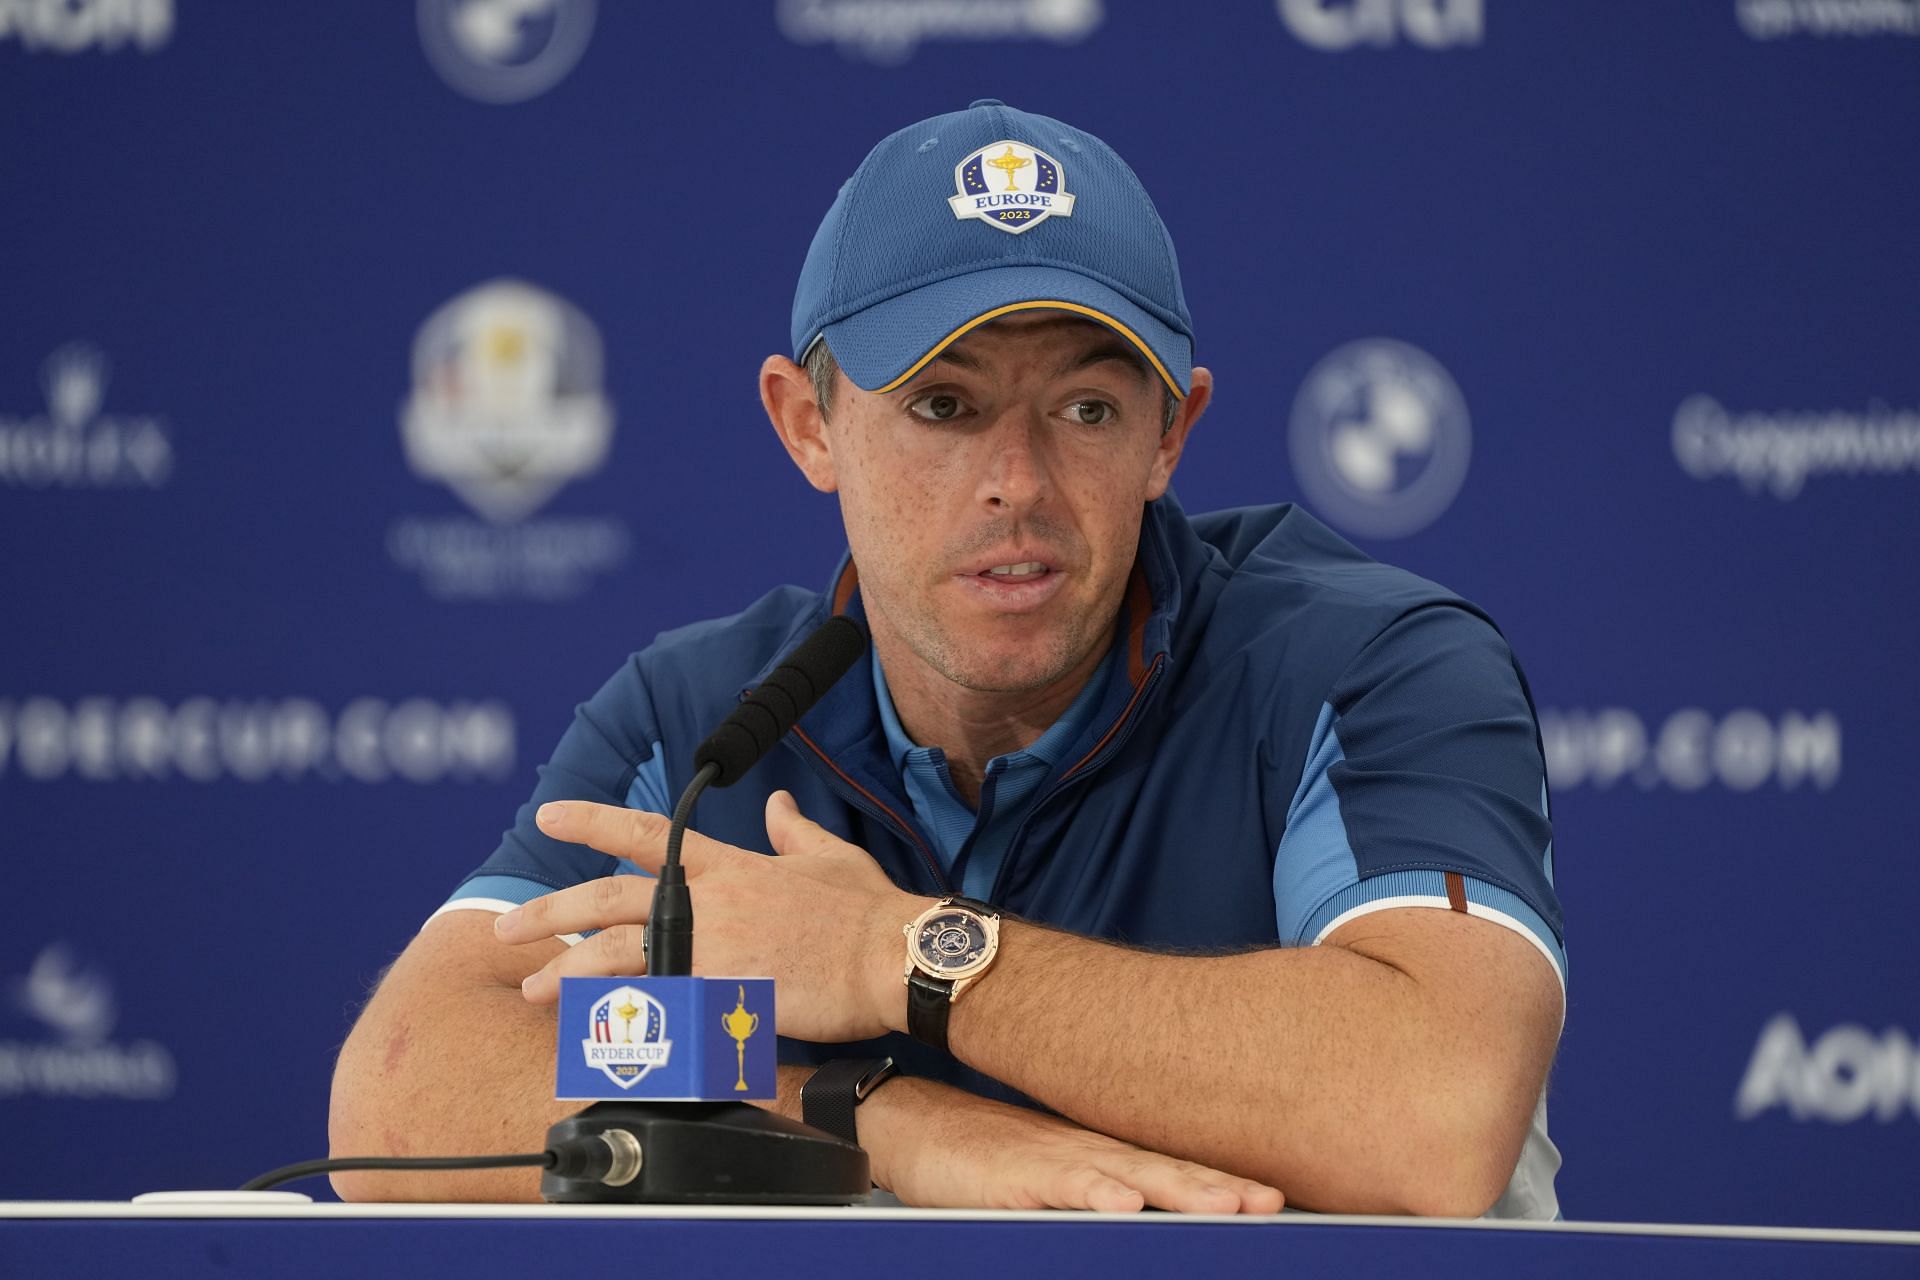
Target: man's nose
{"type": "Point", "coordinates": [1016, 475]}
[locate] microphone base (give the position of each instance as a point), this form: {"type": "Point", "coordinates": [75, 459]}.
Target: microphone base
{"type": "Point", "coordinates": [713, 1153]}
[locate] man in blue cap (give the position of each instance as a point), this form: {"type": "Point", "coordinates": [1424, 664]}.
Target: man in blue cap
{"type": "Point", "coordinates": [1223, 843]}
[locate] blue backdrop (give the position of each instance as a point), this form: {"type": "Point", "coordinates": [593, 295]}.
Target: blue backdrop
{"type": "Point", "coordinates": [370, 374]}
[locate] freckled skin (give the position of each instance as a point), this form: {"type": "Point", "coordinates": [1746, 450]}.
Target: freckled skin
{"type": "Point", "coordinates": [1023, 446]}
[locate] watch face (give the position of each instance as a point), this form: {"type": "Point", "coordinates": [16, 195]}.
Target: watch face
{"type": "Point", "coordinates": [952, 941]}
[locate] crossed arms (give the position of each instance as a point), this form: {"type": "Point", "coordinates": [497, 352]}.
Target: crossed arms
{"type": "Point", "coordinates": [1393, 1068]}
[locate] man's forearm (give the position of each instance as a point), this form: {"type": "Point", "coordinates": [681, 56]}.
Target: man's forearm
{"type": "Point", "coordinates": [468, 1074]}
{"type": "Point", "coordinates": [1393, 1067]}
{"type": "Point", "coordinates": [448, 1059]}
{"type": "Point", "coordinates": [1332, 1075]}
{"type": "Point", "coordinates": [451, 1058]}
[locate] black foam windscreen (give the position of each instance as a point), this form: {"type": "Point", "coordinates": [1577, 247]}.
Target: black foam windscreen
{"type": "Point", "coordinates": [773, 708]}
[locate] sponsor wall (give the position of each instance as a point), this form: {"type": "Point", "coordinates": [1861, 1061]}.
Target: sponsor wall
{"type": "Point", "coordinates": [374, 377]}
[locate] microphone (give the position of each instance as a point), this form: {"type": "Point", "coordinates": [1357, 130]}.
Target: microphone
{"type": "Point", "coordinates": [729, 751]}
{"type": "Point", "coordinates": [683, 1139]}
{"type": "Point", "coordinates": [777, 705]}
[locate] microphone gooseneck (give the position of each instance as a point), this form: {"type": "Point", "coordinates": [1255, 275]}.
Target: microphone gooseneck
{"type": "Point", "coordinates": [640, 1150]}
{"type": "Point", "coordinates": [727, 754]}
{"type": "Point", "coordinates": [670, 924]}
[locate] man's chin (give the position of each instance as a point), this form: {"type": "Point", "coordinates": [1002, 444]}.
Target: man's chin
{"type": "Point", "coordinates": [1025, 669]}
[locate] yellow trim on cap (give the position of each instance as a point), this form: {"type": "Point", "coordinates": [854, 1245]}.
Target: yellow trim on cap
{"type": "Point", "coordinates": [1050, 305]}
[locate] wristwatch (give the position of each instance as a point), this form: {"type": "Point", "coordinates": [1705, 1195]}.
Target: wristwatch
{"type": "Point", "coordinates": [949, 945]}
{"type": "Point", "coordinates": [829, 1096]}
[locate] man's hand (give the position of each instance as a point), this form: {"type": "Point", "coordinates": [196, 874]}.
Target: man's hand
{"type": "Point", "coordinates": [936, 1145]}
{"type": "Point", "coordinates": [822, 919]}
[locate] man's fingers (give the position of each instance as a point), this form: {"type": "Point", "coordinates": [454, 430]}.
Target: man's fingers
{"type": "Point", "coordinates": [1103, 1193]}
{"type": "Point", "coordinates": [615, 951]}
{"type": "Point", "coordinates": [1192, 1188]}
{"type": "Point", "coordinates": [597, 904]}
{"type": "Point", "coordinates": [793, 832]}
{"type": "Point", "coordinates": [634, 834]}
{"type": "Point", "coordinates": [1170, 1187]}
{"type": "Point", "coordinates": [1258, 1197]}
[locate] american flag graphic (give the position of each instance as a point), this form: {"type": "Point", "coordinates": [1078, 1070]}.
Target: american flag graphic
{"type": "Point", "coordinates": [602, 1028]}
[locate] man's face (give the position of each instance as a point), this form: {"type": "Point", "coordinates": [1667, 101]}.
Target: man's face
{"type": "Point", "coordinates": [993, 504]}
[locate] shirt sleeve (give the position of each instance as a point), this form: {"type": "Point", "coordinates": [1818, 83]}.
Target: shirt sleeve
{"type": "Point", "coordinates": [610, 754]}
{"type": "Point", "coordinates": [1424, 785]}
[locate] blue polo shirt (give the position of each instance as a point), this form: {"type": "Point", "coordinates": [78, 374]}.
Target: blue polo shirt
{"type": "Point", "coordinates": [1286, 736]}
{"type": "Point", "coordinates": [971, 844]}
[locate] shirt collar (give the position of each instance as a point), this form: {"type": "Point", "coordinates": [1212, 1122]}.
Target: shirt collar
{"type": "Point", "coordinates": [1048, 749]}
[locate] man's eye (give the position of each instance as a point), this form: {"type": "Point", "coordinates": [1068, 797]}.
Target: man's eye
{"type": "Point", "coordinates": [1091, 413]}
{"type": "Point", "coordinates": [936, 408]}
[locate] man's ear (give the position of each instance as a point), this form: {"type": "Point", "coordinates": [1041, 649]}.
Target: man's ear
{"type": "Point", "coordinates": [787, 393]}
{"type": "Point", "coordinates": [1166, 454]}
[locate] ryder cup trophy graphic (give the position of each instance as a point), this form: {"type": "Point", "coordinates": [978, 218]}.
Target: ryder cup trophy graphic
{"type": "Point", "coordinates": [740, 1024]}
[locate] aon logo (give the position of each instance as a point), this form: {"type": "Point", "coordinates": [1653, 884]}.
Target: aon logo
{"type": "Point", "coordinates": [1846, 1074]}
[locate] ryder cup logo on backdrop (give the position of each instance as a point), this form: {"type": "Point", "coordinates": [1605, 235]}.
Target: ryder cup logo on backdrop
{"type": "Point", "coordinates": [1379, 438]}
{"type": "Point", "coordinates": [628, 1036]}
{"type": "Point", "coordinates": [76, 446]}
{"type": "Point", "coordinates": [1010, 185]}
{"type": "Point", "coordinates": [507, 408]}
{"type": "Point", "coordinates": [506, 403]}
{"type": "Point", "coordinates": [505, 50]}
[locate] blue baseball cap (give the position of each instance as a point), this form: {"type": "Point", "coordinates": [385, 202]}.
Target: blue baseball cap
{"type": "Point", "coordinates": [958, 220]}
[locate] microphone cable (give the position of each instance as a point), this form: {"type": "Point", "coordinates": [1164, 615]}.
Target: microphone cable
{"type": "Point", "coordinates": [612, 1157]}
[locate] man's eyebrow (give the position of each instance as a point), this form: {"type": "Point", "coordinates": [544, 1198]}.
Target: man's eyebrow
{"type": "Point", "coordinates": [1098, 354]}
{"type": "Point", "coordinates": [1106, 351]}
{"type": "Point", "coordinates": [959, 359]}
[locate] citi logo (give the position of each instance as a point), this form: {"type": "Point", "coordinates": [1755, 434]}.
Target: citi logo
{"type": "Point", "coordinates": [1845, 1075]}
{"type": "Point", "coordinates": [77, 26]}
{"type": "Point", "coordinates": [1339, 25]}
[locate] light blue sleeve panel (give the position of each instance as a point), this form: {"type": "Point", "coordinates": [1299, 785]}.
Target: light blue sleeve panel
{"type": "Point", "coordinates": [649, 794]}
{"type": "Point", "coordinates": [648, 791]}
{"type": "Point", "coordinates": [1315, 860]}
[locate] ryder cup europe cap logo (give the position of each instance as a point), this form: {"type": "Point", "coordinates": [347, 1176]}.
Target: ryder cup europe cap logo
{"type": "Point", "coordinates": [629, 1036]}
{"type": "Point", "coordinates": [1012, 186]}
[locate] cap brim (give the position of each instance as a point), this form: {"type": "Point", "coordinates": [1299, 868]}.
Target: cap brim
{"type": "Point", "coordinates": [885, 345]}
